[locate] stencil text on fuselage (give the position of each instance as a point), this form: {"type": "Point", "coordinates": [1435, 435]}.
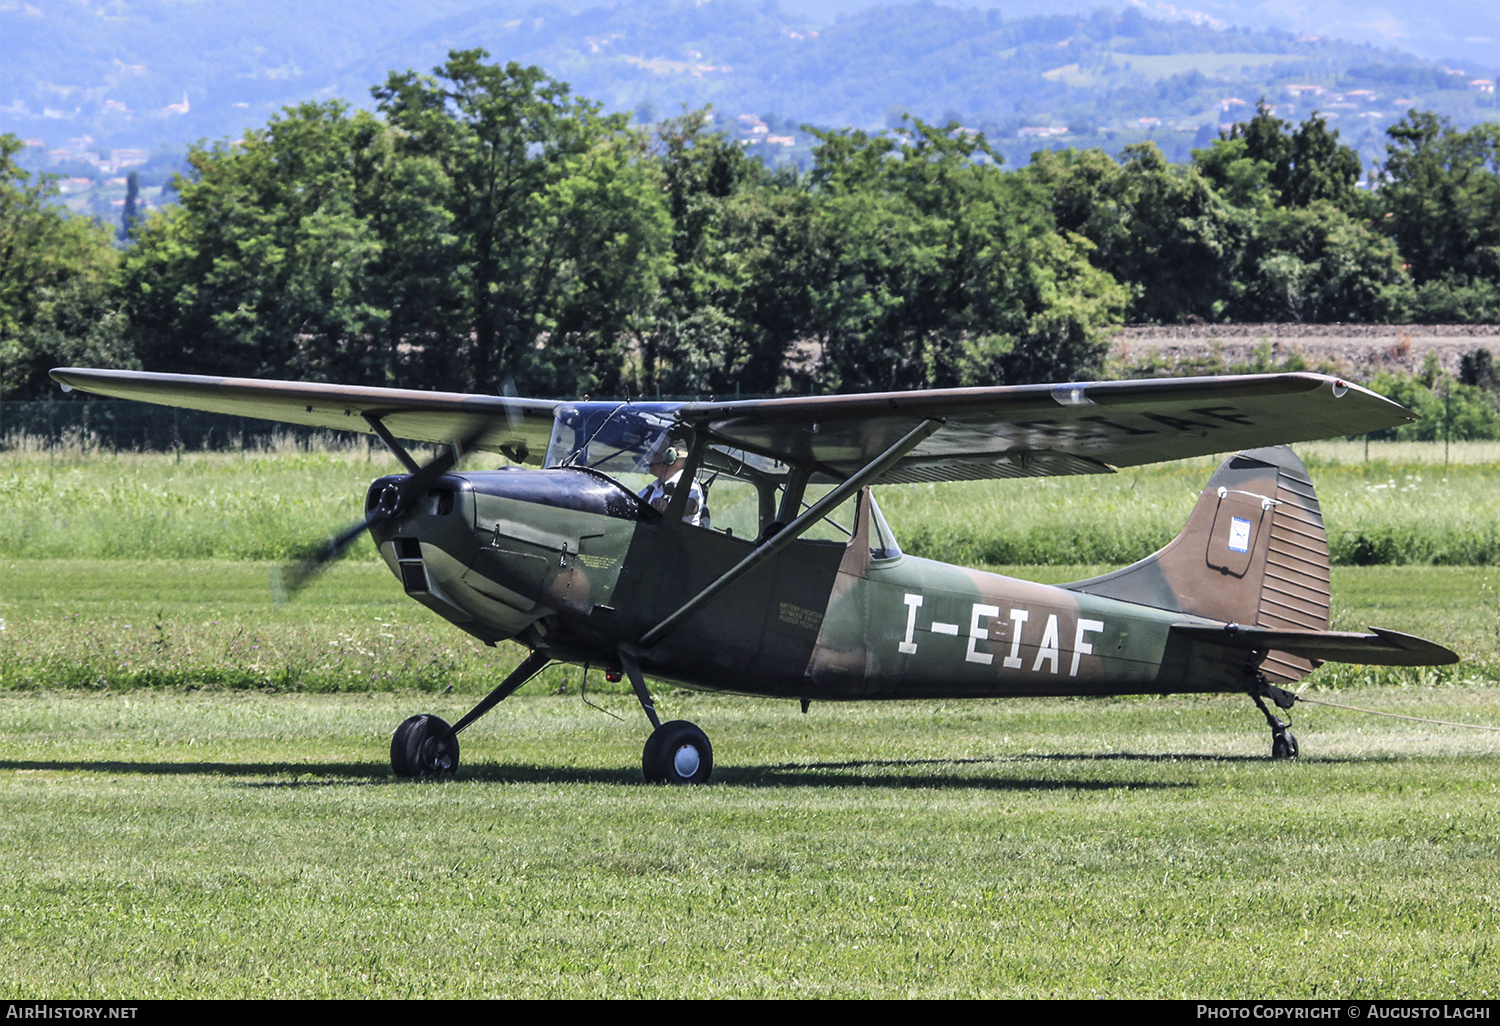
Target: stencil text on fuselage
{"type": "Point", "coordinates": [988, 631]}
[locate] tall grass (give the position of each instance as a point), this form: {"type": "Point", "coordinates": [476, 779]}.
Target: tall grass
{"type": "Point", "coordinates": [1391, 510]}
{"type": "Point", "coordinates": [122, 625]}
{"type": "Point", "coordinates": [188, 625]}
{"type": "Point", "coordinates": [74, 501]}
{"type": "Point", "coordinates": [1401, 506]}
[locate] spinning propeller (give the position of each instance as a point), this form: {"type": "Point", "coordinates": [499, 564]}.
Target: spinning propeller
{"type": "Point", "coordinates": [395, 499]}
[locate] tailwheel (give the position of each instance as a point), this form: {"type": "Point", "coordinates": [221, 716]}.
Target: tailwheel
{"type": "Point", "coordinates": [1283, 744]}
{"type": "Point", "coordinates": [677, 753]}
{"type": "Point", "coordinates": [424, 746]}
{"type": "Point", "coordinates": [1283, 741]}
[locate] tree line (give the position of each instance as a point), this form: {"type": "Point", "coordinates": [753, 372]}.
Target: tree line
{"type": "Point", "coordinates": [484, 228]}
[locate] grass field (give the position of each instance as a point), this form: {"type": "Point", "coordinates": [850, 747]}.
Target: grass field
{"type": "Point", "coordinates": [162, 844]}
{"type": "Point", "coordinates": [1402, 506]}
{"type": "Point", "coordinates": [197, 799]}
{"type": "Point", "coordinates": [196, 624]}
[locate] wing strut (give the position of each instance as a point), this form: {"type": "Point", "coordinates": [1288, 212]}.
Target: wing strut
{"type": "Point", "coordinates": [378, 426]}
{"type": "Point", "coordinates": [869, 472]}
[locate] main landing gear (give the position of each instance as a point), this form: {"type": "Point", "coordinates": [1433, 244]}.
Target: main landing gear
{"type": "Point", "coordinates": [1283, 741]}
{"type": "Point", "coordinates": [676, 752]}
{"type": "Point", "coordinates": [425, 746]}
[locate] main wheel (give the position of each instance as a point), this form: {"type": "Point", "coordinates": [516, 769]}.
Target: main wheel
{"type": "Point", "coordinates": [1283, 745]}
{"type": "Point", "coordinates": [677, 753]}
{"type": "Point", "coordinates": [424, 746]}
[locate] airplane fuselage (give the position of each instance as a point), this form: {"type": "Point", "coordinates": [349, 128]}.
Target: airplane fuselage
{"type": "Point", "coordinates": [569, 562]}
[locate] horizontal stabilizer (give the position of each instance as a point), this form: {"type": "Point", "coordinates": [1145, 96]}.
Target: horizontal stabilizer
{"type": "Point", "coordinates": [1378, 648]}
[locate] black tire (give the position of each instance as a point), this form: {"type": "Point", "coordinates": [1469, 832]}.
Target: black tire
{"type": "Point", "coordinates": [424, 746]}
{"type": "Point", "coordinates": [1284, 745]}
{"type": "Point", "coordinates": [677, 753]}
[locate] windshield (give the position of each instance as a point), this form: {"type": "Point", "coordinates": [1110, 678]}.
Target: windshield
{"type": "Point", "coordinates": [617, 438]}
{"type": "Point", "coordinates": [743, 493]}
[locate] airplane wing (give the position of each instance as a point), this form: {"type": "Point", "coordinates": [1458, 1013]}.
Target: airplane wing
{"type": "Point", "coordinates": [1044, 430]}
{"type": "Point", "coordinates": [518, 428]}
{"type": "Point", "coordinates": [1007, 431]}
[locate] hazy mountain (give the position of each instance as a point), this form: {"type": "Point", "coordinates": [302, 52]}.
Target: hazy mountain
{"type": "Point", "coordinates": [83, 76]}
{"type": "Point", "coordinates": [1461, 30]}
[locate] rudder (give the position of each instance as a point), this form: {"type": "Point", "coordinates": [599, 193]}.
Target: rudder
{"type": "Point", "coordinates": [1253, 552]}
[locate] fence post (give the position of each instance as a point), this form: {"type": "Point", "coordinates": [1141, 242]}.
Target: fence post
{"type": "Point", "coordinates": [1447, 421]}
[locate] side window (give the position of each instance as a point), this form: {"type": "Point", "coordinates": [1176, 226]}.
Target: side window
{"type": "Point", "coordinates": [883, 544]}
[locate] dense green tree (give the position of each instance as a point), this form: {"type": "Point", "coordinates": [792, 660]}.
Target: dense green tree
{"type": "Point", "coordinates": [130, 215]}
{"type": "Point", "coordinates": [703, 335]}
{"type": "Point", "coordinates": [264, 267]}
{"type": "Point", "coordinates": [59, 303]}
{"type": "Point", "coordinates": [1451, 300]}
{"type": "Point", "coordinates": [1159, 229]}
{"type": "Point", "coordinates": [770, 246]}
{"type": "Point", "coordinates": [1316, 263]}
{"type": "Point", "coordinates": [485, 225]}
{"type": "Point", "coordinates": [1441, 200]}
{"type": "Point", "coordinates": [1263, 163]}
{"type": "Point", "coordinates": [1446, 409]}
{"type": "Point", "coordinates": [1308, 250]}
{"type": "Point", "coordinates": [932, 268]}
{"type": "Point", "coordinates": [1477, 368]}
{"type": "Point", "coordinates": [558, 226]}
{"type": "Point", "coordinates": [488, 227]}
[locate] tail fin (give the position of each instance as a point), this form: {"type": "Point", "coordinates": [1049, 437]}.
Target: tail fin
{"type": "Point", "coordinates": [1253, 552]}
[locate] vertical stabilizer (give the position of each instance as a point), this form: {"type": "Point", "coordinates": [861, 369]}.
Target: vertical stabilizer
{"type": "Point", "coordinates": [1253, 552]}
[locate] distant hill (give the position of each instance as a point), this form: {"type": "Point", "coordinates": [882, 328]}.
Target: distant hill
{"type": "Point", "coordinates": [85, 77]}
{"type": "Point", "coordinates": [1459, 32]}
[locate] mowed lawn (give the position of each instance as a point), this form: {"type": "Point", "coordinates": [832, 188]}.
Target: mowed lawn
{"type": "Point", "coordinates": [195, 800]}
{"type": "Point", "coordinates": [253, 845]}
{"type": "Point", "coordinates": [175, 840]}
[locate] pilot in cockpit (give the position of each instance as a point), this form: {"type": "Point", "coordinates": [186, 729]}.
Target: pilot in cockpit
{"type": "Point", "coordinates": [666, 465]}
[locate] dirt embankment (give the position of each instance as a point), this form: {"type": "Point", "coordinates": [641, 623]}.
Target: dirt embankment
{"type": "Point", "coordinates": [1357, 350]}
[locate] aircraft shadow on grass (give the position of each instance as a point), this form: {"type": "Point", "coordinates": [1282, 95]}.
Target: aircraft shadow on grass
{"type": "Point", "coordinates": [864, 773]}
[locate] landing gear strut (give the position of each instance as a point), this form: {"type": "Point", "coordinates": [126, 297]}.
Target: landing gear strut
{"type": "Point", "coordinates": [1283, 741]}
{"type": "Point", "coordinates": [425, 746]}
{"type": "Point", "coordinates": [676, 752]}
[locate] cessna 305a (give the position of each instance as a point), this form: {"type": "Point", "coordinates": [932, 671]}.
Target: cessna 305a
{"type": "Point", "coordinates": [580, 567]}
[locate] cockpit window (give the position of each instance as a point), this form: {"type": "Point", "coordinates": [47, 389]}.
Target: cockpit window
{"type": "Point", "coordinates": [628, 440]}
{"type": "Point", "coordinates": [734, 492]}
{"type": "Point", "coordinates": [883, 544]}
{"type": "Point", "coordinates": [616, 438]}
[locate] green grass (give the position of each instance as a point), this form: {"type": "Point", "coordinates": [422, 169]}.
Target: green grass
{"type": "Point", "coordinates": [197, 799]}
{"type": "Point", "coordinates": [1412, 511]}
{"type": "Point", "coordinates": [123, 624]}
{"type": "Point", "coordinates": [1403, 506]}
{"type": "Point", "coordinates": [198, 624]}
{"type": "Point", "coordinates": [1456, 606]}
{"type": "Point", "coordinates": [167, 845]}
{"type": "Point", "coordinates": [245, 505]}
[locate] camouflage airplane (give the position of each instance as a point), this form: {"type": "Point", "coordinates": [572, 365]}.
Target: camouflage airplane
{"type": "Point", "coordinates": [724, 573]}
